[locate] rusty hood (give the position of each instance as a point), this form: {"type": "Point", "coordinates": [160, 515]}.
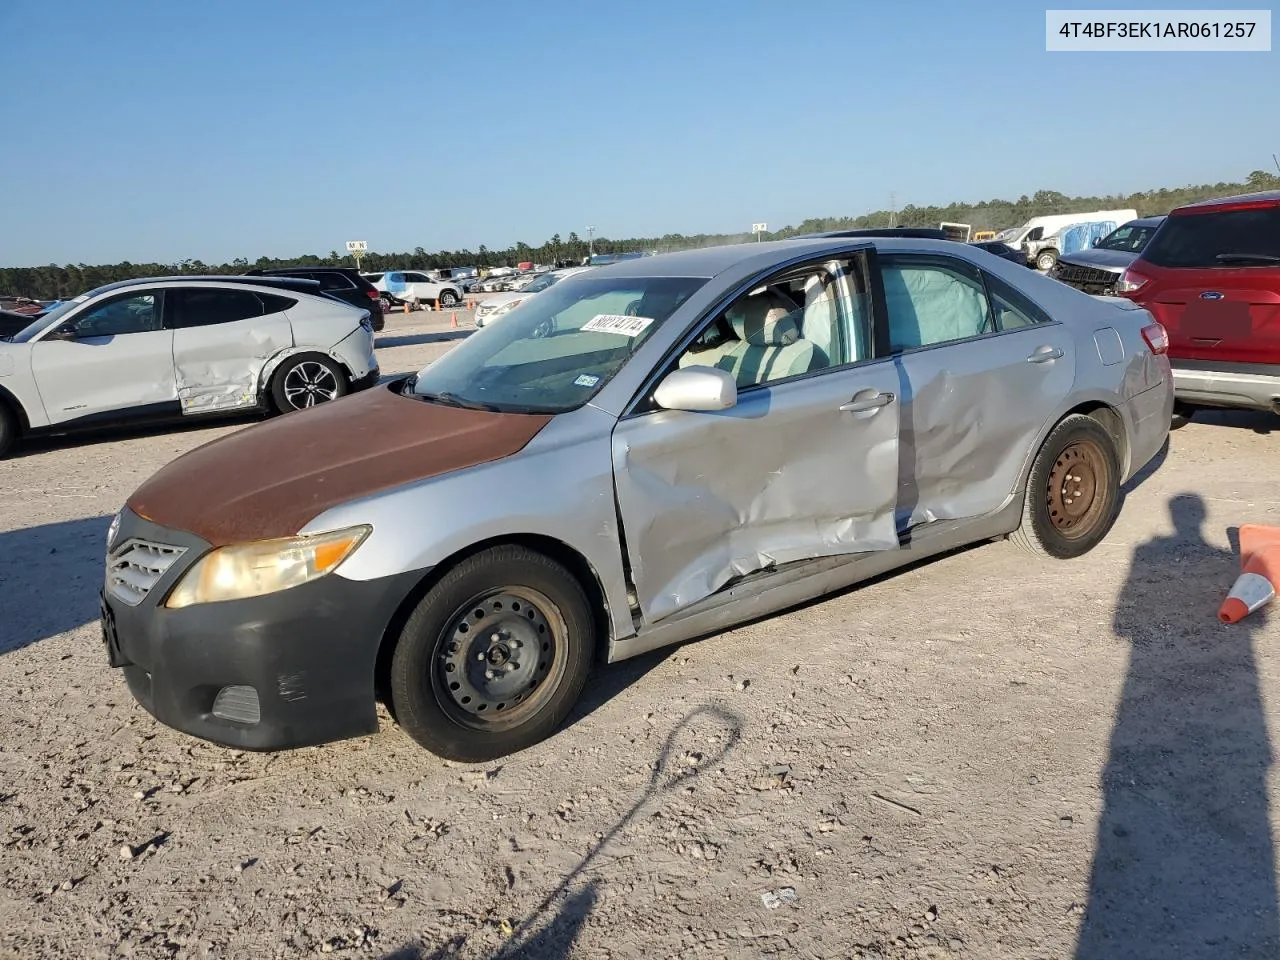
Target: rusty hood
{"type": "Point", "coordinates": [271, 479]}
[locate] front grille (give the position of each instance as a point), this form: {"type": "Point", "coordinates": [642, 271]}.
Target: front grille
{"type": "Point", "coordinates": [1081, 276]}
{"type": "Point", "coordinates": [137, 566]}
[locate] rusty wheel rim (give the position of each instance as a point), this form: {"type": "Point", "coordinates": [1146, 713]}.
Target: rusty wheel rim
{"type": "Point", "coordinates": [1077, 494]}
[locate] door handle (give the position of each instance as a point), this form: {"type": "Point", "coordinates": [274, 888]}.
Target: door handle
{"type": "Point", "coordinates": [862, 404]}
{"type": "Point", "coordinates": [1044, 354]}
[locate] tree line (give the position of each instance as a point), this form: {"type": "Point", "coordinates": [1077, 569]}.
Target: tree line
{"type": "Point", "coordinates": [69, 280]}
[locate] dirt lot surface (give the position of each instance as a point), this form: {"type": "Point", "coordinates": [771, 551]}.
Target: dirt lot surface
{"type": "Point", "coordinates": [985, 756]}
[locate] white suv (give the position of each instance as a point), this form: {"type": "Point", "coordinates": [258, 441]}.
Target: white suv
{"type": "Point", "coordinates": [182, 347]}
{"type": "Point", "coordinates": [415, 288]}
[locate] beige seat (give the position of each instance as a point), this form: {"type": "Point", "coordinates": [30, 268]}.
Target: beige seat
{"type": "Point", "coordinates": [769, 346]}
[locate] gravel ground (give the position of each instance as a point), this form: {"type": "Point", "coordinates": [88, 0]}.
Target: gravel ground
{"type": "Point", "coordinates": [984, 756]}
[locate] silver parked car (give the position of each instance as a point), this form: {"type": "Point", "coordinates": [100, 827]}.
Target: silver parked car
{"type": "Point", "coordinates": [181, 347]}
{"type": "Point", "coordinates": [702, 438]}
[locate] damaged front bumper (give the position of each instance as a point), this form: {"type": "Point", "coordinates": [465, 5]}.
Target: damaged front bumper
{"type": "Point", "coordinates": [289, 669]}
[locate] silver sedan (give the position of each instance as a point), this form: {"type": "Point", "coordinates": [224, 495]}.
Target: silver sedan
{"type": "Point", "coordinates": [639, 455]}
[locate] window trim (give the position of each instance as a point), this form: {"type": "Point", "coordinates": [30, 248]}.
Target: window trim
{"type": "Point", "coordinates": [73, 319]}
{"type": "Point", "coordinates": [641, 403]}
{"type": "Point", "coordinates": [882, 304]}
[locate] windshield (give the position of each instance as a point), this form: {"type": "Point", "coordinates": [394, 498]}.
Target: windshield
{"type": "Point", "coordinates": [541, 283]}
{"type": "Point", "coordinates": [48, 320]}
{"type": "Point", "coordinates": [1004, 236]}
{"type": "Point", "coordinates": [1128, 239]}
{"type": "Point", "coordinates": [556, 351]}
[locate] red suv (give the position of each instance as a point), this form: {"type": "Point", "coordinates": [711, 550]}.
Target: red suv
{"type": "Point", "coordinates": [1211, 275]}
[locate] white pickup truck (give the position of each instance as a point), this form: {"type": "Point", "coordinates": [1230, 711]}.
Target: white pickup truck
{"type": "Point", "coordinates": [415, 288]}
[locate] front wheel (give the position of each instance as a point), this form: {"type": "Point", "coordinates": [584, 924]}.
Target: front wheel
{"type": "Point", "coordinates": [1073, 491]}
{"type": "Point", "coordinates": [306, 380]}
{"type": "Point", "coordinates": [447, 299]}
{"type": "Point", "coordinates": [8, 429]}
{"type": "Point", "coordinates": [1047, 259]}
{"type": "Point", "coordinates": [494, 657]}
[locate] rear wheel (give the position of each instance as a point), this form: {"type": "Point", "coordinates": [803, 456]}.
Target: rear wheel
{"type": "Point", "coordinates": [307, 380]}
{"type": "Point", "coordinates": [1182, 414]}
{"type": "Point", "coordinates": [448, 298]}
{"type": "Point", "coordinates": [494, 657]}
{"type": "Point", "coordinates": [1073, 491]}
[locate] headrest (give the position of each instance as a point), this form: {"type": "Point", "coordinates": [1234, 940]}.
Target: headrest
{"type": "Point", "coordinates": [763, 321]}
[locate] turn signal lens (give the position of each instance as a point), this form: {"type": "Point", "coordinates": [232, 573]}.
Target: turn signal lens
{"type": "Point", "coordinates": [1157, 338]}
{"type": "Point", "coordinates": [1131, 281]}
{"type": "Point", "coordinates": [245, 570]}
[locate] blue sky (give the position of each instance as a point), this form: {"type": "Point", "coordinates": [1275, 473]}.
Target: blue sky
{"type": "Point", "coordinates": [170, 130]}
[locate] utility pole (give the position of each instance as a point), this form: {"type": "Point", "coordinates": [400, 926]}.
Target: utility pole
{"type": "Point", "coordinates": [1276, 162]}
{"type": "Point", "coordinates": [893, 208]}
{"type": "Point", "coordinates": [591, 241]}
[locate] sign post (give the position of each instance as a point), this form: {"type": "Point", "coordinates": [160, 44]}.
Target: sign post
{"type": "Point", "coordinates": [357, 249]}
{"type": "Point", "coordinates": [759, 229]}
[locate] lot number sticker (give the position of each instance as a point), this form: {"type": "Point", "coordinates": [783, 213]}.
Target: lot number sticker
{"type": "Point", "coordinates": [613, 323]}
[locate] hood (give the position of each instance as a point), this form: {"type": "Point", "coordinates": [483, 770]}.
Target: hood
{"type": "Point", "coordinates": [1116, 260]}
{"type": "Point", "coordinates": [272, 479]}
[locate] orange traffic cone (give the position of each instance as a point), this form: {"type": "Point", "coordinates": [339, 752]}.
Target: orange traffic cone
{"type": "Point", "coordinates": [455, 319]}
{"type": "Point", "coordinates": [406, 306]}
{"type": "Point", "coordinates": [1260, 563]}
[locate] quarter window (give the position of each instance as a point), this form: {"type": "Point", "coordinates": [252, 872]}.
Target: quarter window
{"type": "Point", "coordinates": [933, 300]}
{"type": "Point", "coordinates": [333, 281]}
{"type": "Point", "coordinates": [139, 313]}
{"type": "Point", "coordinates": [1012, 310]}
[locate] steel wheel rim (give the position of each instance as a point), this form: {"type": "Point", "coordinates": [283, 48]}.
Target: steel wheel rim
{"type": "Point", "coordinates": [499, 658]}
{"type": "Point", "coordinates": [447, 299]}
{"type": "Point", "coordinates": [310, 383]}
{"type": "Point", "coordinates": [1077, 489]}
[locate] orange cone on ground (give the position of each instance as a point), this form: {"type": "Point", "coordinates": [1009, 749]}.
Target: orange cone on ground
{"type": "Point", "coordinates": [406, 306]}
{"type": "Point", "coordinates": [1260, 563]}
{"type": "Point", "coordinates": [455, 319]}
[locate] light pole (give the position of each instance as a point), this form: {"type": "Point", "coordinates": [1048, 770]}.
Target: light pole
{"type": "Point", "coordinates": [591, 242]}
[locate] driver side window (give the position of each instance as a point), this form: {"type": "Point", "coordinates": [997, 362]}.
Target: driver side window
{"type": "Point", "coordinates": [135, 313]}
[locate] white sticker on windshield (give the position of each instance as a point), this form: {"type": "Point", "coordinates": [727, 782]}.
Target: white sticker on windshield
{"type": "Point", "coordinates": [586, 380]}
{"type": "Point", "coordinates": [612, 323]}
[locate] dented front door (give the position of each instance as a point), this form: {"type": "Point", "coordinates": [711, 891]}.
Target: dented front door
{"type": "Point", "coordinates": [799, 469]}
{"type": "Point", "coordinates": [221, 341]}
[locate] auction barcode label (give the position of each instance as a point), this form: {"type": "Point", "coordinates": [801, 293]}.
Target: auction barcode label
{"type": "Point", "coordinates": [613, 323]}
{"type": "Point", "coordinates": [1121, 31]}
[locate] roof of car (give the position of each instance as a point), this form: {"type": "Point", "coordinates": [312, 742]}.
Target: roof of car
{"type": "Point", "coordinates": [709, 261]}
{"type": "Point", "coordinates": [1147, 221]}
{"type": "Point", "coordinates": [283, 283]}
{"type": "Point", "coordinates": [285, 271]}
{"type": "Point", "coordinates": [1265, 198]}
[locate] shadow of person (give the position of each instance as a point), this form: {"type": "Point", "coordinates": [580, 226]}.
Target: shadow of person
{"type": "Point", "coordinates": [1184, 865]}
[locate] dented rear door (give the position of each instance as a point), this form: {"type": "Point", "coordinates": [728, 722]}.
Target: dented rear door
{"type": "Point", "coordinates": [798, 469]}
{"type": "Point", "coordinates": [221, 341]}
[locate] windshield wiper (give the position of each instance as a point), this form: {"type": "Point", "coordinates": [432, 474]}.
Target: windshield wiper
{"type": "Point", "coordinates": [453, 400]}
{"type": "Point", "coordinates": [1246, 258]}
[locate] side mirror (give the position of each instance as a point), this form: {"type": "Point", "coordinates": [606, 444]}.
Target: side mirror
{"type": "Point", "coordinates": [1096, 241]}
{"type": "Point", "coordinates": [61, 333]}
{"type": "Point", "coordinates": [697, 388]}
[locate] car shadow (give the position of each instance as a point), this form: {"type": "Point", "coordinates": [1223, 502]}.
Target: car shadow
{"type": "Point", "coordinates": [553, 927]}
{"type": "Point", "coordinates": [43, 443]}
{"type": "Point", "coordinates": [49, 579]}
{"type": "Point", "coordinates": [1258, 421]}
{"type": "Point", "coordinates": [415, 339]}
{"type": "Point", "coordinates": [608, 680]}
{"type": "Point", "coordinates": [1184, 864]}
{"type": "Point", "coordinates": [1148, 469]}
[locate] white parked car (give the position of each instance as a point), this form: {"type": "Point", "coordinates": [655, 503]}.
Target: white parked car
{"type": "Point", "coordinates": [415, 288]}
{"type": "Point", "coordinates": [491, 308]}
{"type": "Point", "coordinates": [181, 347]}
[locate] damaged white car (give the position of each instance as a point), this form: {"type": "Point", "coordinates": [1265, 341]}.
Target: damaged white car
{"type": "Point", "coordinates": [179, 347]}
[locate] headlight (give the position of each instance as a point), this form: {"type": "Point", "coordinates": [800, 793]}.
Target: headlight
{"type": "Point", "coordinates": [252, 569]}
{"type": "Point", "coordinates": [508, 307]}
{"type": "Point", "coordinates": [113, 529]}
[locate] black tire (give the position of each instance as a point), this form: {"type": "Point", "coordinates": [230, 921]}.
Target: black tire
{"type": "Point", "coordinates": [448, 299]}
{"type": "Point", "coordinates": [1182, 414]}
{"type": "Point", "coordinates": [8, 429]}
{"type": "Point", "coordinates": [1045, 259]}
{"type": "Point", "coordinates": [328, 378]}
{"type": "Point", "coordinates": [1062, 521]}
{"type": "Point", "coordinates": [432, 671]}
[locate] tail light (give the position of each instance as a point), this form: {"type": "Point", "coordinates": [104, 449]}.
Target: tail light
{"type": "Point", "coordinates": [1131, 281]}
{"type": "Point", "coordinates": [1157, 338]}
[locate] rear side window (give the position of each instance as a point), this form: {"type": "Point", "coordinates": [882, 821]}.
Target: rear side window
{"type": "Point", "coordinates": [274, 304]}
{"type": "Point", "coordinates": [333, 281]}
{"type": "Point", "coordinates": [1232, 238]}
{"type": "Point", "coordinates": [204, 308]}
